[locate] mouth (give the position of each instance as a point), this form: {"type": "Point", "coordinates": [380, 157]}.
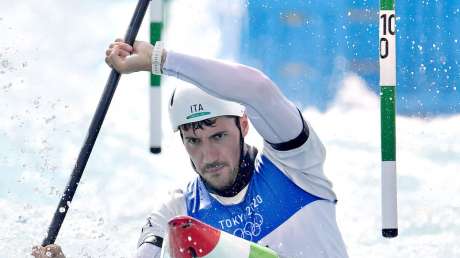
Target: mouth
{"type": "Point", "coordinates": [215, 168]}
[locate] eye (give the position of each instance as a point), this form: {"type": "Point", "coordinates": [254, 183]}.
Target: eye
{"type": "Point", "coordinates": [192, 141]}
{"type": "Point", "coordinates": [218, 136]}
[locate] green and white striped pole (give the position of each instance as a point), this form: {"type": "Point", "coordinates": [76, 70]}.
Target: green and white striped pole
{"type": "Point", "coordinates": [387, 31]}
{"type": "Point", "coordinates": [156, 27]}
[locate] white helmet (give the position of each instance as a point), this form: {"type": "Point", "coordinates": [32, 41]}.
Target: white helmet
{"type": "Point", "coordinates": [190, 104]}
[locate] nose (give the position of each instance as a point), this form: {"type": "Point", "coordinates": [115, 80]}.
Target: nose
{"type": "Point", "coordinates": [210, 153]}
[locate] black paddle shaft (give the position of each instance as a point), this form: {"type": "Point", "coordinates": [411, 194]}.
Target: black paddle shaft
{"type": "Point", "coordinates": [93, 130]}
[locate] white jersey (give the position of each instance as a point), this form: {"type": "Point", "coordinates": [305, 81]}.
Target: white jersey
{"type": "Point", "coordinates": [289, 204]}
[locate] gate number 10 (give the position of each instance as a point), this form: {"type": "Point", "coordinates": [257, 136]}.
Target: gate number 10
{"type": "Point", "coordinates": [388, 27]}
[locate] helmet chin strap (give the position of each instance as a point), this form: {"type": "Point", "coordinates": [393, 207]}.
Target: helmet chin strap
{"type": "Point", "coordinates": [245, 171]}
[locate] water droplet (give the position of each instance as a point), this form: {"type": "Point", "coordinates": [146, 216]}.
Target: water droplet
{"type": "Point", "coordinates": [61, 209]}
{"type": "Point", "coordinates": [47, 120]}
{"type": "Point", "coordinates": [36, 102]}
{"type": "Point", "coordinates": [9, 85]}
{"type": "Point", "coordinates": [21, 220]}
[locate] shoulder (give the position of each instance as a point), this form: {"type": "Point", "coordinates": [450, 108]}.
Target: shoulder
{"type": "Point", "coordinates": [169, 206]}
{"type": "Point", "coordinates": [303, 164]}
{"type": "Point", "coordinates": [175, 200]}
{"type": "Point", "coordinates": [307, 151]}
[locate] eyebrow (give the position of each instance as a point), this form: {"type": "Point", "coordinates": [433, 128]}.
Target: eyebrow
{"type": "Point", "coordinates": [212, 135]}
{"type": "Point", "coordinates": [190, 137]}
{"type": "Point", "coordinates": [216, 133]}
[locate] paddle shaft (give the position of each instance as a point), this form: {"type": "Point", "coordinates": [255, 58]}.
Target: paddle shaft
{"type": "Point", "coordinates": [93, 131]}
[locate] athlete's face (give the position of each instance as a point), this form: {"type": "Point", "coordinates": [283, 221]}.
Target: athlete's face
{"type": "Point", "coordinates": [215, 150]}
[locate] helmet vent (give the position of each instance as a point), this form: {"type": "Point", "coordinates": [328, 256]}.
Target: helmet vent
{"type": "Point", "coordinates": [171, 101]}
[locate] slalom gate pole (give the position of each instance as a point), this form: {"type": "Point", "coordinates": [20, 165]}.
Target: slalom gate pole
{"type": "Point", "coordinates": [156, 27]}
{"type": "Point", "coordinates": [93, 131]}
{"type": "Point", "coordinates": [387, 31]}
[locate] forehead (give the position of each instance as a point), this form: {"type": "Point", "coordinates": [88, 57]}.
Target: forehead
{"type": "Point", "coordinates": [222, 123]}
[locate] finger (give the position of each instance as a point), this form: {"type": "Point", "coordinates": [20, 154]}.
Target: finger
{"type": "Point", "coordinates": [54, 249]}
{"type": "Point", "coordinates": [107, 61]}
{"type": "Point", "coordinates": [35, 251]}
{"type": "Point", "coordinates": [114, 44]}
{"type": "Point", "coordinates": [122, 51]}
{"type": "Point", "coordinates": [119, 40]}
{"type": "Point", "coordinates": [122, 46]}
{"type": "Point", "coordinates": [114, 59]}
{"type": "Point", "coordinates": [47, 251]}
{"type": "Point", "coordinates": [125, 47]}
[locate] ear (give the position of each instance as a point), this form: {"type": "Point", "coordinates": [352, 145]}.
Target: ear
{"type": "Point", "coordinates": [244, 123]}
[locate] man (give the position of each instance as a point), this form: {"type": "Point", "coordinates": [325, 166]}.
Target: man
{"type": "Point", "coordinates": [278, 197]}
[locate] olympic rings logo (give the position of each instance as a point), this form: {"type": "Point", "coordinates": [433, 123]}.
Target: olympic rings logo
{"type": "Point", "coordinates": [251, 229]}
